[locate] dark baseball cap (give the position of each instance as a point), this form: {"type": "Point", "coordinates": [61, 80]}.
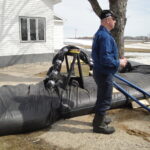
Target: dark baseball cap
{"type": "Point", "coordinates": [107, 13]}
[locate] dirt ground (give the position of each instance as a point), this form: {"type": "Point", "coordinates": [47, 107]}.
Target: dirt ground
{"type": "Point", "coordinates": [132, 125]}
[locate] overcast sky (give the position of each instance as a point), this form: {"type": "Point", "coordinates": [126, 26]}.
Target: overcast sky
{"type": "Point", "coordinates": [80, 20]}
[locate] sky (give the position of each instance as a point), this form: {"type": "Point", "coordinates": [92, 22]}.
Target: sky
{"type": "Point", "coordinates": [80, 20]}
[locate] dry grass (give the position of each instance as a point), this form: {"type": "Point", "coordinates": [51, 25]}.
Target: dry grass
{"type": "Point", "coordinates": [137, 50]}
{"type": "Point", "coordinates": [85, 70]}
{"type": "Point", "coordinates": [126, 49]}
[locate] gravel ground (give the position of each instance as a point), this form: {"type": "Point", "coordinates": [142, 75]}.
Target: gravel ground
{"type": "Point", "coordinates": [132, 125]}
{"type": "Point", "coordinates": [132, 132]}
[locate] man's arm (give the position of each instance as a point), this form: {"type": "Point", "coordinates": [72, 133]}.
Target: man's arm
{"type": "Point", "coordinates": [106, 54]}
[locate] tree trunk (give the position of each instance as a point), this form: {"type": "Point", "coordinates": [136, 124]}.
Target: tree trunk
{"type": "Point", "coordinates": [119, 8]}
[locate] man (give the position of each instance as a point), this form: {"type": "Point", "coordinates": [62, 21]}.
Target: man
{"type": "Point", "coordinates": [106, 63]}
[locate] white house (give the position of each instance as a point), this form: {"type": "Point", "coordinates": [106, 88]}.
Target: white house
{"type": "Point", "coordinates": [29, 31]}
{"type": "Point", "coordinates": [58, 30]}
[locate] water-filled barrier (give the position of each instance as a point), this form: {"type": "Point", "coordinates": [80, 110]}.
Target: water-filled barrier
{"type": "Point", "coordinates": [25, 108]}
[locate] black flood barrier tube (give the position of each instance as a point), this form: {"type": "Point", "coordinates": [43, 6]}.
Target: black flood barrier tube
{"type": "Point", "coordinates": [131, 84]}
{"type": "Point", "coordinates": [25, 108]}
{"type": "Point", "coordinates": [128, 95]}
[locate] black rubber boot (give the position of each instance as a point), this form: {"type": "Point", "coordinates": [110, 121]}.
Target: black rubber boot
{"type": "Point", "coordinates": [99, 126]}
{"type": "Point", "coordinates": [107, 120]}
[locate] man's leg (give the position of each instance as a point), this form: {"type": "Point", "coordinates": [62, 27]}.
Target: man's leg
{"type": "Point", "coordinates": [103, 103]}
{"type": "Point", "coordinates": [104, 95]}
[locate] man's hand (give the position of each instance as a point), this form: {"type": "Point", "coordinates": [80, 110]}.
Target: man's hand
{"type": "Point", "coordinates": [123, 62]}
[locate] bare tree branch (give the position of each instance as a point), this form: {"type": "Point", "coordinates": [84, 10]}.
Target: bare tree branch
{"type": "Point", "coordinates": [96, 7]}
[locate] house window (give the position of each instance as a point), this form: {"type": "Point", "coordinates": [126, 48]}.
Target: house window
{"type": "Point", "coordinates": [32, 29]}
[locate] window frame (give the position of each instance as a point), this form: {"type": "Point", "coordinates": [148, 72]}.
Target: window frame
{"type": "Point", "coordinates": [28, 29]}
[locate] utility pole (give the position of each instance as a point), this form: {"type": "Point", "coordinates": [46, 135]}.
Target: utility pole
{"type": "Point", "coordinates": [75, 33]}
{"type": "Point", "coordinates": [148, 37]}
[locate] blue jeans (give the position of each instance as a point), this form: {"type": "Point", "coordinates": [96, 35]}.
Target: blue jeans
{"type": "Point", "coordinates": [104, 91]}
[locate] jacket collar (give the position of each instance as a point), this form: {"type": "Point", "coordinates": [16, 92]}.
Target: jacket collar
{"type": "Point", "coordinates": [104, 29]}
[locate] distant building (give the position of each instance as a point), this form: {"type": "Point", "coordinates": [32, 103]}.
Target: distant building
{"type": "Point", "coordinates": [29, 31]}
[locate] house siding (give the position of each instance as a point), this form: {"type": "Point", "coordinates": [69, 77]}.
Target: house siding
{"type": "Point", "coordinates": [10, 44]}
{"type": "Point", "coordinates": [58, 35]}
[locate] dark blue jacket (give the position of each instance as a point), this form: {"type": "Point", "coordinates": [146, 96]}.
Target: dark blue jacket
{"type": "Point", "coordinates": [105, 52]}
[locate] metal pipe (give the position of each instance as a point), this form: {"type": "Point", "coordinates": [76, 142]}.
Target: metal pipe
{"type": "Point", "coordinates": [132, 97]}
{"type": "Point", "coordinates": [70, 71]}
{"type": "Point", "coordinates": [132, 85]}
{"type": "Point", "coordinates": [80, 70]}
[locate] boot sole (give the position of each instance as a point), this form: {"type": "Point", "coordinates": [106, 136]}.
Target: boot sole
{"type": "Point", "coordinates": [102, 131]}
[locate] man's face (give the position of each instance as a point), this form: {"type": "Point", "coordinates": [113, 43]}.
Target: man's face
{"type": "Point", "coordinates": [111, 22]}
